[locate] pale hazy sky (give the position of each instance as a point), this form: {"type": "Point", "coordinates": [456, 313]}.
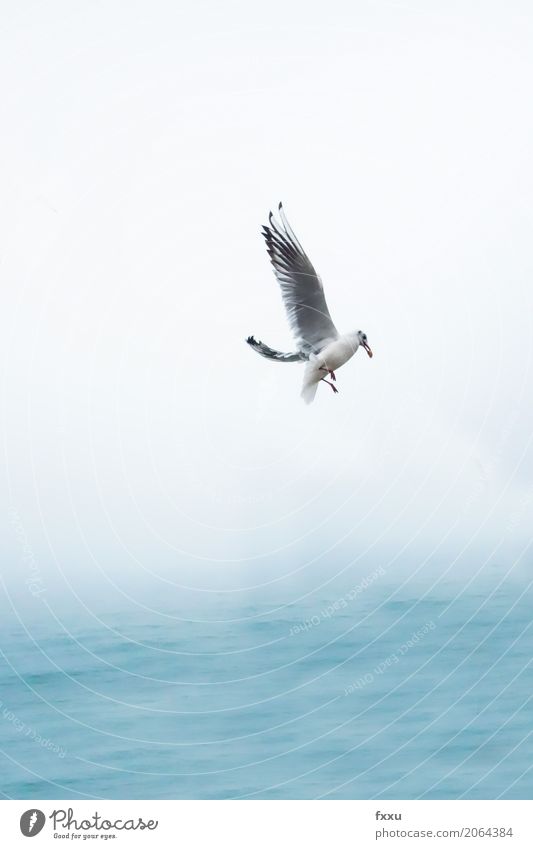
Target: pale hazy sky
{"type": "Point", "coordinates": [143, 145]}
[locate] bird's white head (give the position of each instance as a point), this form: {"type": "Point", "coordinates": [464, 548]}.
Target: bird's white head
{"type": "Point", "coordinates": [361, 339]}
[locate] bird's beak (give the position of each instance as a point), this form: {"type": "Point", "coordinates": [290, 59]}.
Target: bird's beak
{"type": "Point", "coordinates": [368, 349]}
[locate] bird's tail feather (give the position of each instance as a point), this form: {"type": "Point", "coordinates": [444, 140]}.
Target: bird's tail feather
{"type": "Point", "coordinates": [271, 354]}
{"type": "Point", "coordinates": [310, 384]}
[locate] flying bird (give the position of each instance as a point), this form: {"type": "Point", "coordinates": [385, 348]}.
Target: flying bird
{"type": "Point", "coordinates": [318, 342]}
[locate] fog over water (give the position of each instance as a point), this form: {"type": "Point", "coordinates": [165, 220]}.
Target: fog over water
{"type": "Point", "coordinates": [144, 442]}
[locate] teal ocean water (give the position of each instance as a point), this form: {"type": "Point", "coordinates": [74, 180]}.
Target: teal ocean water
{"type": "Point", "coordinates": [360, 693]}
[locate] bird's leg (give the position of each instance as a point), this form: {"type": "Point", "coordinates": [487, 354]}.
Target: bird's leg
{"type": "Point", "coordinates": [332, 375]}
{"type": "Point", "coordinates": [328, 371]}
{"type": "Point", "coordinates": [336, 391]}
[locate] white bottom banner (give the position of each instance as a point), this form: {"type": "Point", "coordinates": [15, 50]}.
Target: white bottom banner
{"type": "Point", "coordinates": [265, 824]}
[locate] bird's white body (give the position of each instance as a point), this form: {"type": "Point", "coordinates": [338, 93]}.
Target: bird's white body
{"type": "Point", "coordinates": [330, 358]}
{"type": "Point", "coordinates": [337, 352]}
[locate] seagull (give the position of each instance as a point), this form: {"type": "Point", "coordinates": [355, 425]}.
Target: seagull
{"type": "Point", "coordinates": [318, 342]}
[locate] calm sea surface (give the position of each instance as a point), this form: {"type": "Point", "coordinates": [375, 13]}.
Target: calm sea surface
{"type": "Point", "coordinates": [351, 695]}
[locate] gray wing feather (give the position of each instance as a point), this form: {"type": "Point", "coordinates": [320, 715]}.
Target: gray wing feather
{"type": "Point", "coordinates": [272, 354]}
{"type": "Point", "coordinates": [301, 287]}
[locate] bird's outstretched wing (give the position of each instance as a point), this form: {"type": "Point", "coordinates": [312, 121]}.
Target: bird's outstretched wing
{"type": "Point", "coordinates": [301, 287]}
